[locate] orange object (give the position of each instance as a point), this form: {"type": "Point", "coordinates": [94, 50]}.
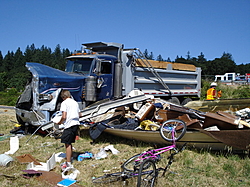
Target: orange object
{"type": "Point", "coordinates": [211, 94]}
{"type": "Point", "coordinates": [219, 93]}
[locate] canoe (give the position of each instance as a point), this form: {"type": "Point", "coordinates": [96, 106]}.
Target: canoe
{"type": "Point", "coordinates": [211, 140]}
{"type": "Point", "coordinates": [219, 105]}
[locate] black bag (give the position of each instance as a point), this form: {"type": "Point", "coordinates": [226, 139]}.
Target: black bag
{"type": "Point", "coordinates": [96, 129]}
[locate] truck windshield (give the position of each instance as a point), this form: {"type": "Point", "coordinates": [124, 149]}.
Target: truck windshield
{"type": "Point", "coordinates": [79, 65]}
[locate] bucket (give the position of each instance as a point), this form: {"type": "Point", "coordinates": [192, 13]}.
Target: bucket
{"type": "Point", "coordinates": [5, 160]}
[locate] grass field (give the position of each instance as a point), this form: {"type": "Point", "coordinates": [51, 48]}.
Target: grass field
{"type": "Point", "coordinates": [190, 168]}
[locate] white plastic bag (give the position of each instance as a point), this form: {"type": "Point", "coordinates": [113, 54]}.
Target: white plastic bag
{"type": "Point", "coordinates": [101, 154]}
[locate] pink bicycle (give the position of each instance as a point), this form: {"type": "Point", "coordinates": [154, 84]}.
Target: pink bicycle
{"type": "Point", "coordinates": [143, 165]}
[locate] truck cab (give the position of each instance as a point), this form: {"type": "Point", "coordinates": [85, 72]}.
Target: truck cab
{"type": "Point", "coordinates": [89, 76]}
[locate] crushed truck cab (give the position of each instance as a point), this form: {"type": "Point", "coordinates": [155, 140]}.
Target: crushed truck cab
{"type": "Point", "coordinates": [104, 71]}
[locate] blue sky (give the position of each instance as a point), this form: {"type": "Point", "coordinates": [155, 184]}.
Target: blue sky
{"type": "Point", "coordinates": [166, 27]}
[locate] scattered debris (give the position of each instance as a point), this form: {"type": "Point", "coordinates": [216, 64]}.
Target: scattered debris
{"type": "Point", "coordinates": [70, 173]}
{"type": "Point", "coordinates": [60, 156]}
{"type": "Point", "coordinates": [112, 149]}
{"type": "Point", "coordinates": [101, 154]}
{"type": "Point", "coordinates": [52, 178]}
{"type": "Point", "coordinates": [14, 145]}
{"type": "Point", "coordinates": [6, 136]}
{"type": "Point", "coordinates": [66, 182]}
{"type": "Point", "coordinates": [86, 155]}
{"type": "Point", "coordinates": [141, 124]}
{"type": "Point", "coordinates": [31, 173]}
{"type": "Point", "coordinates": [5, 160]}
{"type": "Point", "coordinates": [27, 158]}
{"type": "Point", "coordinates": [49, 165]}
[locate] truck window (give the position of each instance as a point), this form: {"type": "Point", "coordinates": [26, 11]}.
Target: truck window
{"type": "Point", "coordinates": [79, 65]}
{"type": "Point", "coordinates": [106, 67]}
{"type": "Point", "coordinates": [230, 77]}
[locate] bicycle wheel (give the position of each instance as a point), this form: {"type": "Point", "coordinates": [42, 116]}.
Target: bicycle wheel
{"type": "Point", "coordinates": [131, 164]}
{"type": "Point", "coordinates": [147, 174]}
{"type": "Point", "coordinates": [173, 130]}
{"type": "Point", "coordinates": [108, 178]}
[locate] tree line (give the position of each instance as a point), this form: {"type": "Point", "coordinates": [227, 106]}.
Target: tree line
{"type": "Point", "coordinates": [210, 68]}
{"type": "Point", "coordinates": [14, 74]}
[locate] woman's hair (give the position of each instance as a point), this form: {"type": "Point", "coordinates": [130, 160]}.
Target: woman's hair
{"type": "Point", "coordinates": [65, 94]}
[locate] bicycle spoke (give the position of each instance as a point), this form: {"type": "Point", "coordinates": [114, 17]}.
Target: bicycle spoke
{"type": "Point", "coordinates": [108, 178]}
{"type": "Point", "coordinates": [147, 174]}
{"type": "Point", "coordinates": [131, 164]}
{"type": "Point", "coordinates": [173, 130]}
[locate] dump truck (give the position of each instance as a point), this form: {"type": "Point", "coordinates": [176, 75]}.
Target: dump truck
{"type": "Point", "coordinates": [101, 72]}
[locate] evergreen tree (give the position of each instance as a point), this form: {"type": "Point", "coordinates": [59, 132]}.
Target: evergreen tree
{"type": "Point", "coordinates": [65, 54]}
{"type": "Point", "coordinates": [19, 71]}
{"type": "Point", "coordinates": [1, 82]}
{"type": "Point", "coordinates": [146, 54]}
{"type": "Point", "coordinates": [30, 53]}
{"type": "Point", "coordinates": [159, 58]}
{"type": "Point", "coordinates": [168, 60]}
{"type": "Point", "coordinates": [188, 55]}
{"type": "Point", "coordinates": [1, 62]}
{"type": "Point", "coordinates": [151, 56]}
{"type": "Point", "coordinates": [57, 57]}
{"type": "Point", "coordinates": [227, 56]}
{"type": "Point", "coordinates": [220, 66]}
{"type": "Point", "coordinates": [181, 60]}
{"type": "Point", "coordinates": [8, 64]}
{"type": "Point", "coordinates": [45, 56]}
{"type": "Point", "coordinates": [19, 61]}
{"type": "Point", "coordinates": [201, 58]}
{"type": "Point", "coordinates": [1, 72]}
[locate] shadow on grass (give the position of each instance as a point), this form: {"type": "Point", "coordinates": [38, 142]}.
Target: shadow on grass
{"type": "Point", "coordinates": [107, 138]}
{"type": "Point", "coordinates": [242, 154]}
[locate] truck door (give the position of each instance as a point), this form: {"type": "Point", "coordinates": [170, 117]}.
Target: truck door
{"type": "Point", "coordinates": [104, 80]}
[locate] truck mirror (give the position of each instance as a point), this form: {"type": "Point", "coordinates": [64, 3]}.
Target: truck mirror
{"type": "Point", "coordinates": [98, 67]}
{"type": "Point", "coordinates": [99, 82]}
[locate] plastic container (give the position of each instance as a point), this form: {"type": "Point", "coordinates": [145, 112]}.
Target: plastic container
{"type": "Point", "coordinates": [5, 160]}
{"type": "Point", "coordinates": [144, 111]}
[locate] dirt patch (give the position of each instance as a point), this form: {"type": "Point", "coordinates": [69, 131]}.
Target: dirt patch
{"type": "Point", "coordinates": [7, 111]}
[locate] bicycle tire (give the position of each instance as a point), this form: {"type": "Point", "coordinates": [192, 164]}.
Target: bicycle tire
{"type": "Point", "coordinates": [131, 164]}
{"type": "Point", "coordinates": [178, 126]}
{"type": "Point", "coordinates": [108, 178]}
{"type": "Point", "coordinates": [147, 174]}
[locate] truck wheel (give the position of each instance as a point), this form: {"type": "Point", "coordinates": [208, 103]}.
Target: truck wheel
{"type": "Point", "coordinates": [185, 101]}
{"type": "Point", "coordinates": [174, 100]}
{"type": "Point", "coordinates": [19, 120]}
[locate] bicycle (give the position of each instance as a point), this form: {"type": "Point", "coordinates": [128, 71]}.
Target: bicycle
{"type": "Point", "coordinates": [143, 165]}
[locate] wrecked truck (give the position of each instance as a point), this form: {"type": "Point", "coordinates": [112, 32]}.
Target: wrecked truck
{"type": "Point", "coordinates": [101, 72]}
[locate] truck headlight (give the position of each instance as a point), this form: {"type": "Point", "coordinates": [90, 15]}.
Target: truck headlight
{"type": "Point", "coordinates": [45, 97]}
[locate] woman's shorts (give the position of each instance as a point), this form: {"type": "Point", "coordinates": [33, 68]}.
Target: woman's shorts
{"type": "Point", "coordinates": [69, 134]}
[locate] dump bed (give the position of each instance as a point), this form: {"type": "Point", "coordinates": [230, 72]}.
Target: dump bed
{"type": "Point", "coordinates": [183, 80]}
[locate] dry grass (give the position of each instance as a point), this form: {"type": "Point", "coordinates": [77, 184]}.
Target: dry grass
{"type": "Point", "coordinates": [191, 167]}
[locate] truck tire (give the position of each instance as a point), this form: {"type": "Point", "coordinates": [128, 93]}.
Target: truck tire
{"type": "Point", "coordinates": [19, 120]}
{"type": "Point", "coordinates": [174, 100]}
{"type": "Point", "coordinates": [185, 101]}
